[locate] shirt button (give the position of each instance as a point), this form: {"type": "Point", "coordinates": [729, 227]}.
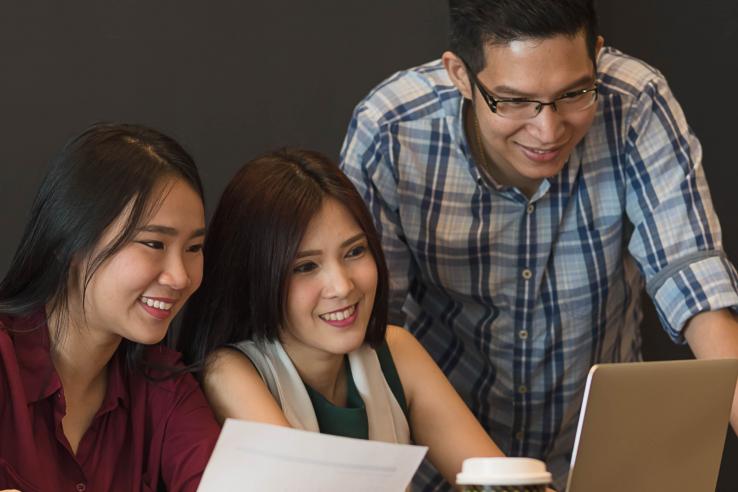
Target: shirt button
{"type": "Point", "coordinates": [519, 435]}
{"type": "Point", "coordinates": [522, 389]}
{"type": "Point", "coordinates": [527, 274]}
{"type": "Point", "coordinates": [523, 334]}
{"type": "Point", "coordinates": [530, 208]}
{"type": "Point", "coordinates": [81, 487]}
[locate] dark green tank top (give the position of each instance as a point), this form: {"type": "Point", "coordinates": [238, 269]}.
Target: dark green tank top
{"type": "Point", "coordinates": [351, 420]}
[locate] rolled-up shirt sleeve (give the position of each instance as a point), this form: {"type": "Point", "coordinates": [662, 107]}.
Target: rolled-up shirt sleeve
{"type": "Point", "coordinates": [676, 240]}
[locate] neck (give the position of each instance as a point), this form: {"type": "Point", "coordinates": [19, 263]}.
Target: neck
{"type": "Point", "coordinates": [484, 162]}
{"type": "Point", "coordinates": [80, 358]}
{"type": "Point", "coordinates": [321, 371]}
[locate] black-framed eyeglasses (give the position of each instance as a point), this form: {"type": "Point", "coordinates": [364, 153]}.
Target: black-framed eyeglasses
{"type": "Point", "coordinates": [519, 108]}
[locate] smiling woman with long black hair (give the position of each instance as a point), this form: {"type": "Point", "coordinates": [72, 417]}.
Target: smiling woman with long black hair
{"type": "Point", "coordinates": [112, 250]}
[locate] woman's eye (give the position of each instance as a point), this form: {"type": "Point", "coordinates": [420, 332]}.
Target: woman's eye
{"type": "Point", "coordinates": [195, 248]}
{"type": "Point", "coordinates": [356, 251]}
{"type": "Point", "coordinates": [153, 244]}
{"type": "Point", "coordinates": [305, 267]}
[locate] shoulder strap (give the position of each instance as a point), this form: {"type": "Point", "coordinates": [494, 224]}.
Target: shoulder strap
{"type": "Point", "coordinates": [283, 380]}
{"type": "Point", "coordinates": [387, 421]}
{"type": "Point", "coordinates": [390, 374]}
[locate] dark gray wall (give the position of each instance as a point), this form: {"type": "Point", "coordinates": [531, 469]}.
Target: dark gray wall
{"type": "Point", "coordinates": [231, 79]}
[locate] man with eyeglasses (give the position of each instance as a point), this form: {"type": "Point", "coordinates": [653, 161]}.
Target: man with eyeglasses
{"type": "Point", "coordinates": [527, 186]}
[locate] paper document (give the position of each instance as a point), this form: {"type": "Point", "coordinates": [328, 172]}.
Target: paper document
{"type": "Point", "coordinates": [261, 457]}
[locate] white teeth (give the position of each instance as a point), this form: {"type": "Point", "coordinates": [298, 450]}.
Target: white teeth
{"type": "Point", "coordinates": [164, 306]}
{"type": "Point", "coordinates": [539, 151]}
{"type": "Point", "coordinates": [339, 315]}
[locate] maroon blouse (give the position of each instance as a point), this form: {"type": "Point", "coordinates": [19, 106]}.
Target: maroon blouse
{"type": "Point", "coordinates": [144, 433]}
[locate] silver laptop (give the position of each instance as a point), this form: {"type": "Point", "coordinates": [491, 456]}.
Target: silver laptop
{"type": "Point", "coordinates": [653, 426]}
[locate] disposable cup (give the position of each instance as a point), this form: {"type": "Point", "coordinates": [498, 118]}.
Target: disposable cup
{"type": "Point", "coordinates": [503, 475]}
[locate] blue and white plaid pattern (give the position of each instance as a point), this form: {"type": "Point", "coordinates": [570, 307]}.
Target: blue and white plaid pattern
{"type": "Point", "coordinates": [516, 298]}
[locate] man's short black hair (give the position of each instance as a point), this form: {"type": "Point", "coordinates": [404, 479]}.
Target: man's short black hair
{"type": "Point", "coordinates": [475, 23]}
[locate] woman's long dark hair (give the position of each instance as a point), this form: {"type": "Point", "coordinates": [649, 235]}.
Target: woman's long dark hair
{"type": "Point", "coordinates": [89, 184]}
{"type": "Point", "coordinates": [252, 242]}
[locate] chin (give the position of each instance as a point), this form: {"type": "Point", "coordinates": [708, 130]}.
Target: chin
{"type": "Point", "coordinates": [349, 346]}
{"type": "Point", "coordinates": [149, 339]}
{"type": "Point", "coordinates": [543, 171]}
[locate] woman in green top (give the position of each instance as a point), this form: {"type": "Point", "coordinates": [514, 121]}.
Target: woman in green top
{"type": "Point", "coordinates": [291, 318]}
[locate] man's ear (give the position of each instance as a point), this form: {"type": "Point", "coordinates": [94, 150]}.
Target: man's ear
{"type": "Point", "coordinates": [456, 70]}
{"type": "Point", "coordinates": [598, 45]}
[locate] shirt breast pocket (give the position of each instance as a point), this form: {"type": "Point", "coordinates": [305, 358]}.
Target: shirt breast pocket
{"type": "Point", "coordinates": [588, 261]}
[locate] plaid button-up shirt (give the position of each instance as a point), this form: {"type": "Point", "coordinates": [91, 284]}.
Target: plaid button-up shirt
{"type": "Point", "coordinates": [516, 298]}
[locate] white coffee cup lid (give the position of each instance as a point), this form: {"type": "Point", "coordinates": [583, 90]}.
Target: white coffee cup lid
{"type": "Point", "coordinates": [503, 471]}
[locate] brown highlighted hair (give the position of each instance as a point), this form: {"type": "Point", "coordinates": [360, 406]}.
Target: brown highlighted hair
{"type": "Point", "coordinates": [251, 246]}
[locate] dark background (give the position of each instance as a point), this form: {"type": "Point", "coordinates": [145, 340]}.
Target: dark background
{"type": "Point", "coordinates": [232, 79]}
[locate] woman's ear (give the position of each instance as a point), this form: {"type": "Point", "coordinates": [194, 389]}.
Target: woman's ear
{"type": "Point", "coordinates": [75, 275]}
{"type": "Point", "coordinates": [456, 70]}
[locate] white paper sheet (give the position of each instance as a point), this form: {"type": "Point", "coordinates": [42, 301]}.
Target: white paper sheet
{"type": "Point", "coordinates": [260, 457]}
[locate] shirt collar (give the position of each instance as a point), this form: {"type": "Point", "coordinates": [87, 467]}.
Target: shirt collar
{"type": "Point", "coordinates": [117, 393]}
{"type": "Point", "coordinates": [39, 376]}
{"type": "Point", "coordinates": [32, 347]}
{"type": "Point", "coordinates": [459, 128]}
{"type": "Point", "coordinates": [477, 171]}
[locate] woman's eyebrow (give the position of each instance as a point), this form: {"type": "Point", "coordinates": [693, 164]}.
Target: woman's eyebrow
{"type": "Point", "coordinates": [315, 252]}
{"type": "Point", "coordinates": [353, 239]}
{"type": "Point", "coordinates": [169, 231]}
